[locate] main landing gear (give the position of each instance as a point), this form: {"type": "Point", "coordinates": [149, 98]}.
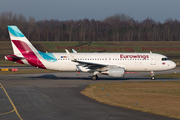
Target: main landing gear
{"type": "Point", "coordinates": [95, 77]}
{"type": "Point", "coordinates": [152, 75]}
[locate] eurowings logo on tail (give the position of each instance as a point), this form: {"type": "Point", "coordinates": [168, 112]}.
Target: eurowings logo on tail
{"type": "Point", "coordinates": [23, 49]}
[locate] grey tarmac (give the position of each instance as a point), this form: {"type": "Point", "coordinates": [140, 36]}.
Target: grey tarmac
{"type": "Point", "coordinates": [56, 96]}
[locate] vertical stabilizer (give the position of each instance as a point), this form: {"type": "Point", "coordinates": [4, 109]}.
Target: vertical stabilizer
{"type": "Point", "coordinates": [24, 51]}
{"type": "Point", "coordinates": [19, 42]}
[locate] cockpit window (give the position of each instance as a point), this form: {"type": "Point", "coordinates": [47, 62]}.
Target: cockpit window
{"type": "Point", "coordinates": [164, 59]}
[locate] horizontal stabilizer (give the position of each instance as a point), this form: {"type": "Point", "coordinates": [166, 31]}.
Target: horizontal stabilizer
{"type": "Point", "coordinates": [13, 57]}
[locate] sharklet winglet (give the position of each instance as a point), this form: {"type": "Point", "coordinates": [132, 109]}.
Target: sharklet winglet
{"type": "Point", "coordinates": [74, 51]}
{"type": "Point", "coordinates": [70, 56]}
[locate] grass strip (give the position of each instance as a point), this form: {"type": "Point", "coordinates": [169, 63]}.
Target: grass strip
{"type": "Point", "coordinates": [26, 71]}
{"type": "Point", "coordinates": [10, 63]}
{"type": "Point", "coordinates": [161, 98]}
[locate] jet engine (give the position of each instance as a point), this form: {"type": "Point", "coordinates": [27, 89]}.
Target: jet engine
{"type": "Point", "coordinates": [115, 72]}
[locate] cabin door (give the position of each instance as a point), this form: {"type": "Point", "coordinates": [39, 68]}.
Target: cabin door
{"type": "Point", "coordinates": [153, 59]}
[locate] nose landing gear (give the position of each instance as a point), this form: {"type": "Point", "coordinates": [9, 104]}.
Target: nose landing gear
{"type": "Point", "coordinates": [152, 75]}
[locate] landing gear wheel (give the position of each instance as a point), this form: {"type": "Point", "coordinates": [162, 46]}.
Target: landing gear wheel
{"type": "Point", "coordinates": [94, 77]}
{"type": "Point", "coordinates": [152, 75]}
{"type": "Point", "coordinates": [152, 78]}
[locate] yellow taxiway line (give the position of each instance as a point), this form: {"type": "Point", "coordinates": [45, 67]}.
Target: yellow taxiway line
{"type": "Point", "coordinates": [11, 104]}
{"type": "Point", "coordinates": [7, 112]}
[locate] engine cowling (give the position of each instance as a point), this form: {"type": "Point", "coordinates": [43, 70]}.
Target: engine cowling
{"type": "Point", "coordinates": [115, 72]}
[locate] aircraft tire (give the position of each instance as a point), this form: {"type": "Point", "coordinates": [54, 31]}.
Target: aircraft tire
{"type": "Point", "coordinates": [94, 77]}
{"type": "Point", "coordinates": [152, 78]}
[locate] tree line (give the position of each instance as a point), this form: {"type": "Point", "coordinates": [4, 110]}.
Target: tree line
{"type": "Point", "coordinates": [118, 27]}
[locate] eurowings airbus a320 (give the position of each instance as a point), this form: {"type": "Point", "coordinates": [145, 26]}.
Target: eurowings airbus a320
{"type": "Point", "coordinates": [112, 64]}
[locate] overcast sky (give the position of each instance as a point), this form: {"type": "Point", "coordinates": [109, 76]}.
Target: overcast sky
{"type": "Point", "coordinates": [159, 10]}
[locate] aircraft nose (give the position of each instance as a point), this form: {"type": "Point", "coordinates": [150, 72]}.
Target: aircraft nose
{"type": "Point", "coordinates": [173, 64]}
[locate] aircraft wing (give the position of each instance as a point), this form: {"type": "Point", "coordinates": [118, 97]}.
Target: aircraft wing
{"type": "Point", "coordinates": [90, 65]}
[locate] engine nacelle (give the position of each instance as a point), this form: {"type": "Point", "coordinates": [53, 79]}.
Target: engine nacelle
{"type": "Point", "coordinates": [115, 72]}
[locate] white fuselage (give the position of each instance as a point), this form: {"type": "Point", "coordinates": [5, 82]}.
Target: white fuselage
{"type": "Point", "coordinates": [129, 61]}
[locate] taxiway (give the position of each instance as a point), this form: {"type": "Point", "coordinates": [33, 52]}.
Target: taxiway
{"type": "Point", "coordinates": [56, 96]}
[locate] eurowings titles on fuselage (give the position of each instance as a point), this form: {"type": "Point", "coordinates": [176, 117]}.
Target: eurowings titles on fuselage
{"type": "Point", "coordinates": [134, 56]}
{"type": "Point", "coordinates": [112, 64]}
